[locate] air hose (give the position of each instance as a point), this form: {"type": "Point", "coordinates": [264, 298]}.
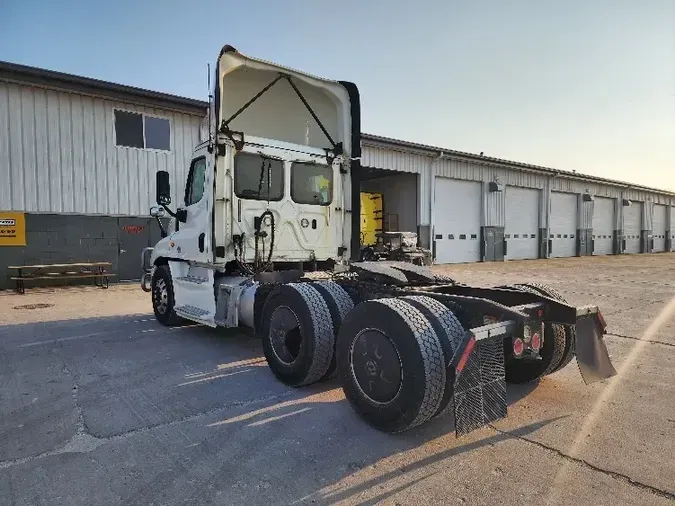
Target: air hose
{"type": "Point", "coordinates": [259, 265]}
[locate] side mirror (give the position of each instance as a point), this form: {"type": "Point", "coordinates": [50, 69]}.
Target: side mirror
{"type": "Point", "coordinates": [163, 188]}
{"type": "Point", "coordinates": [157, 212]}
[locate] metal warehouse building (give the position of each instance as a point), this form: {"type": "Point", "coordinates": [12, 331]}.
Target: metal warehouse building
{"type": "Point", "coordinates": [78, 156]}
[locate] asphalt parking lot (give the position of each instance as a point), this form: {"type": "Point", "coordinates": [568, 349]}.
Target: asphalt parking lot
{"type": "Point", "coordinates": [101, 405]}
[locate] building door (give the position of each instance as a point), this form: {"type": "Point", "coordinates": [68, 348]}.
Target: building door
{"type": "Point", "coordinates": [522, 223]}
{"type": "Point", "coordinates": [133, 235]}
{"type": "Point", "coordinates": [603, 226]}
{"type": "Point", "coordinates": [632, 227]}
{"type": "Point", "coordinates": [563, 229]}
{"type": "Point", "coordinates": [457, 213]}
{"type": "Point", "coordinates": [659, 227]}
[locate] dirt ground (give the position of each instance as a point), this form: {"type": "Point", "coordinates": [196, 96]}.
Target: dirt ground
{"type": "Point", "coordinates": [99, 404]}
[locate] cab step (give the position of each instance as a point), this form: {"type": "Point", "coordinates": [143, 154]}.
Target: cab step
{"type": "Point", "coordinates": [193, 292]}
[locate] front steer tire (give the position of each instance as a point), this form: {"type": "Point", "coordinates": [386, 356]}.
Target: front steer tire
{"type": "Point", "coordinates": [297, 334]}
{"type": "Point", "coordinates": [163, 300]}
{"type": "Point", "coordinates": [391, 365]}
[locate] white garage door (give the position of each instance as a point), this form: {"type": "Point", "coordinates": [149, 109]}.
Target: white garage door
{"type": "Point", "coordinates": [632, 226]}
{"type": "Point", "coordinates": [457, 211]}
{"type": "Point", "coordinates": [522, 223]}
{"type": "Point", "coordinates": [563, 228]}
{"type": "Point", "coordinates": [603, 226]}
{"type": "Point", "coordinates": [659, 227]}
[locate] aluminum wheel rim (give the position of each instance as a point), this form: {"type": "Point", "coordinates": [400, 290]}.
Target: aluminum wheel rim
{"type": "Point", "coordinates": [376, 371]}
{"type": "Point", "coordinates": [284, 327]}
{"type": "Point", "coordinates": [161, 296]}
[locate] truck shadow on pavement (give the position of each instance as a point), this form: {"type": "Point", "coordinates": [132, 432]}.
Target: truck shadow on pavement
{"type": "Point", "coordinates": [214, 388]}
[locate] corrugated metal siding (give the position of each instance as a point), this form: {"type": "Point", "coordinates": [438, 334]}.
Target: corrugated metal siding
{"type": "Point", "coordinates": [494, 207]}
{"type": "Point", "coordinates": [424, 185]}
{"type": "Point", "coordinates": [381, 157]}
{"type": "Point", "coordinates": [585, 213]}
{"type": "Point", "coordinates": [461, 169]}
{"type": "Point", "coordinates": [545, 208]}
{"type": "Point", "coordinates": [57, 154]}
{"type": "Point", "coordinates": [648, 216]}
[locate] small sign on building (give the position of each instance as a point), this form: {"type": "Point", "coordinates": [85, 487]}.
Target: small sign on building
{"type": "Point", "coordinates": [12, 229]}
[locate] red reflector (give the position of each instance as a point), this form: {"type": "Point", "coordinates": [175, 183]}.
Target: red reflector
{"type": "Point", "coordinates": [602, 320]}
{"type": "Point", "coordinates": [536, 341]}
{"type": "Point", "coordinates": [518, 346]}
{"type": "Point", "coordinates": [465, 355]}
{"type": "Point", "coordinates": [540, 313]}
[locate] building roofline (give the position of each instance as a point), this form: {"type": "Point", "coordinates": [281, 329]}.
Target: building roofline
{"type": "Point", "coordinates": [452, 153]}
{"type": "Point", "coordinates": [70, 82]}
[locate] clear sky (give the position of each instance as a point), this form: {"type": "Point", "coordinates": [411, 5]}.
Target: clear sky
{"type": "Point", "coordinates": [585, 85]}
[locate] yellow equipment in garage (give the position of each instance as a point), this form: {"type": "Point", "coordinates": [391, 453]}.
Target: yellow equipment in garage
{"type": "Point", "coordinates": [371, 217]}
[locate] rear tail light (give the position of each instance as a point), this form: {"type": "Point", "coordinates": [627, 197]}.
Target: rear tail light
{"type": "Point", "coordinates": [518, 347]}
{"type": "Point", "coordinates": [536, 341]}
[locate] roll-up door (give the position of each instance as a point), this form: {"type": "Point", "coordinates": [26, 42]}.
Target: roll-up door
{"type": "Point", "coordinates": [457, 212]}
{"type": "Point", "coordinates": [563, 229]}
{"type": "Point", "coordinates": [522, 223]}
{"type": "Point", "coordinates": [632, 227]}
{"type": "Point", "coordinates": [603, 226]}
{"type": "Point", "coordinates": [659, 227]}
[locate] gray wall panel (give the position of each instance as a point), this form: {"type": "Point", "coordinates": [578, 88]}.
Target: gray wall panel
{"type": "Point", "coordinates": [494, 210]}
{"type": "Point", "coordinates": [58, 154]}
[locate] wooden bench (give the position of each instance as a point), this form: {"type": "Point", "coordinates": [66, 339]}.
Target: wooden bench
{"type": "Point", "coordinates": [79, 270]}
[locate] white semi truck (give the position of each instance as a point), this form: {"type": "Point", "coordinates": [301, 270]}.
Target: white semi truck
{"type": "Point", "coordinates": [273, 195]}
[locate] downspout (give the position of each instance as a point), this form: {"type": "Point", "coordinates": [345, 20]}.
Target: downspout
{"type": "Point", "coordinates": [432, 200]}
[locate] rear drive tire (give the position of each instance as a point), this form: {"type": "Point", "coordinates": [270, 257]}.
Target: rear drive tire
{"type": "Point", "coordinates": [339, 304]}
{"type": "Point", "coordinates": [450, 333]}
{"type": "Point", "coordinates": [163, 301]}
{"type": "Point", "coordinates": [551, 352]}
{"type": "Point", "coordinates": [570, 330]}
{"type": "Point", "coordinates": [391, 366]}
{"type": "Point", "coordinates": [297, 334]}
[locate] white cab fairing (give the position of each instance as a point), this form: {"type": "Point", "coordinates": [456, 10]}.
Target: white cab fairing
{"type": "Point", "coordinates": [278, 127]}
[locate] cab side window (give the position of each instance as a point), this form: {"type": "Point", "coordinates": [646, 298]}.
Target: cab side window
{"type": "Point", "coordinates": [195, 184]}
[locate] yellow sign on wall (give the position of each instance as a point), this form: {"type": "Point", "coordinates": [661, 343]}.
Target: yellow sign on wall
{"type": "Point", "coordinates": [12, 229]}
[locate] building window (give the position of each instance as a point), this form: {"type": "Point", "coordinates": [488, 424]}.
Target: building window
{"type": "Point", "coordinates": [258, 178]}
{"type": "Point", "coordinates": [137, 130]}
{"type": "Point", "coordinates": [311, 183]}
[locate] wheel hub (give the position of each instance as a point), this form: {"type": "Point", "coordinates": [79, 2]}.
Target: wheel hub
{"type": "Point", "coordinates": [376, 366]}
{"type": "Point", "coordinates": [161, 296]}
{"type": "Point", "coordinates": [285, 334]}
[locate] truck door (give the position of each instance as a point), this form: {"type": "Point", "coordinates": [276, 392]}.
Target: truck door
{"type": "Point", "coordinates": [192, 240]}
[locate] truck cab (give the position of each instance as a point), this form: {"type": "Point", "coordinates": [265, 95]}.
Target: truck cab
{"type": "Point", "coordinates": [270, 189]}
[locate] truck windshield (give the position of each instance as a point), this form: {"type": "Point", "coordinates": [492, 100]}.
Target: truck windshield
{"type": "Point", "coordinates": [251, 173]}
{"type": "Point", "coordinates": [311, 183]}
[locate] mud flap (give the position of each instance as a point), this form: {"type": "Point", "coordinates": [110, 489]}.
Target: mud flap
{"type": "Point", "coordinates": [591, 352]}
{"type": "Point", "coordinates": [479, 395]}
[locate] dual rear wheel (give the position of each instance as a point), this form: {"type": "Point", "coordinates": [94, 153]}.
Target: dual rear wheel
{"type": "Point", "coordinates": [391, 354]}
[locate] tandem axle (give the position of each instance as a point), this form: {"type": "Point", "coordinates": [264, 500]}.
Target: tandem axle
{"type": "Point", "coordinates": [407, 345]}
